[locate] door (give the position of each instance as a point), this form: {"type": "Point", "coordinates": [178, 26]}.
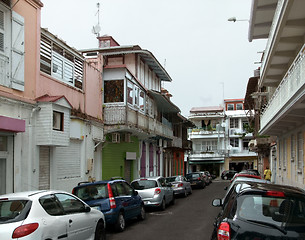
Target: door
{"type": "Point", "coordinates": [80, 226]}
{"type": "Point", "coordinates": [124, 199]}
{"type": "Point", "coordinates": [44, 168]}
{"type": "Point", "coordinates": [6, 164]}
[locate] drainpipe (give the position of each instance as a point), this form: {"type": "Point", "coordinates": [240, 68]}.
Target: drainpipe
{"type": "Point", "coordinates": [32, 170]}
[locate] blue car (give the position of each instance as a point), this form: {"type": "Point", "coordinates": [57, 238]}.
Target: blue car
{"type": "Point", "coordinates": [115, 198]}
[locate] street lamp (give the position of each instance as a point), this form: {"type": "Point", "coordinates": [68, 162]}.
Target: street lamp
{"type": "Point", "coordinates": [233, 19]}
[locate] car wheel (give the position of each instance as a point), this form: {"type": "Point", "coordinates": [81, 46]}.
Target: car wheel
{"type": "Point", "coordinates": [142, 214]}
{"type": "Point", "coordinates": [100, 233]}
{"type": "Point", "coordinates": [163, 205]}
{"type": "Point", "coordinates": [120, 223]}
{"type": "Point", "coordinates": [173, 200]}
{"type": "Point", "coordinates": [185, 193]}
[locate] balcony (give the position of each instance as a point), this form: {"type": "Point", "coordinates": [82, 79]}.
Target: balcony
{"type": "Point", "coordinates": [285, 109]}
{"type": "Point", "coordinates": [202, 133]}
{"type": "Point", "coordinates": [121, 117]}
{"type": "Point", "coordinates": [216, 156]}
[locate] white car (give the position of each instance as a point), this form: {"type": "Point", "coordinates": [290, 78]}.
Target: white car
{"type": "Point", "coordinates": [47, 215]}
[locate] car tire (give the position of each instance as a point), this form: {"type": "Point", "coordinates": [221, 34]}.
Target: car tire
{"type": "Point", "coordinates": [163, 205]}
{"type": "Point", "coordinates": [185, 193]}
{"type": "Point", "coordinates": [120, 223]}
{"type": "Point", "coordinates": [142, 214]}
{"type": "Point", "coordinates": [173, 200]}
{"type": "Point", "coordinates": [100, 232]}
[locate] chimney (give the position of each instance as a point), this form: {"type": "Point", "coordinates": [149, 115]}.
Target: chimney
{"type": "Point", "coordinates": [106, 41]}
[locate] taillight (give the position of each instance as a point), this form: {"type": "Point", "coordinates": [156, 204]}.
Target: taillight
{"type": "Point", "coordinates": [180, 185]}
{"type": "Point", "coordinates": [111, 197]}
{"type": "Point", "coordinates": [73, 191]}
{"type": "Point", "coordinates": [223, 232]}
{"type": "Point", "coordinates": [275, 194]}
{"type": "Point", "coordinates": [157, 191]}
{"type": "Point", "coordinates": [25, 230]}
{"type": "Point", "coordinates": [199, 178]}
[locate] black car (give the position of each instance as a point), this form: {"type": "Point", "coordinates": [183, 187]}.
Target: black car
{"type": "Point", "coordinates": [261, 211]}
{"type": "Point", "coordinates": [197, 179]}
{"type": "Point", "coordinates": [228, 174]}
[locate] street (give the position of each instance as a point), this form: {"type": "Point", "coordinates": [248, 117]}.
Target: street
{"type": "Point", "coordinates": [190, 218]}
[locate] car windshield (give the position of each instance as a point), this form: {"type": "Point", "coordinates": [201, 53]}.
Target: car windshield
{"type": "Point", "coordinates": [144, 184]}
{"type": "Point", "coordinates": [286, 213]}
{"type": "Point", "coordinates": [92, 192]}
{"type": "Point", "coordinates": [12, 210]}
{"type": "Point", "coordinates": [172, 179]}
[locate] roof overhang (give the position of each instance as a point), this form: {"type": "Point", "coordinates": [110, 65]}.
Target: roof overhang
{"type": "Point", "coordinates": [163, 103]}
{"type": "Point", "coordinates": [145, 55]}
{"type": "Point", "coordinates": [261, 17]}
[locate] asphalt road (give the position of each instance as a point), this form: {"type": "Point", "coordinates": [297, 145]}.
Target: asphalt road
{"type": "Point", "coordinates": [190, 218]}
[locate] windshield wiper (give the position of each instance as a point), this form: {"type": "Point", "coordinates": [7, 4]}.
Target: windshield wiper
{"type": "Point", "coordinates": [269, 224]}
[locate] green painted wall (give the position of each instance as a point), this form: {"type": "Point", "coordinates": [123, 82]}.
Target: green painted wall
{"type": "Point", "coordinates": [113, 157]}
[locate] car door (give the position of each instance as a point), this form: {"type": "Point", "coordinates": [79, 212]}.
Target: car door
{"type": "Point", "coordinates": [124, 199]}
{"type": "Point", "coordinates": [81, 225]}
{"type": "Point", "coordinates": [166, 189]}
{"type": "Point", "coordinates": [186, 184]}
{"type": "Point", "coordinates": [56, 225]}
{"type": "Point", "coordinates": [135, 200]}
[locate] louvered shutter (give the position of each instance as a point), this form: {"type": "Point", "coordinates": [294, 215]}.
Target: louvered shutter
{"type": "Point", "coordinates": [17, 52]}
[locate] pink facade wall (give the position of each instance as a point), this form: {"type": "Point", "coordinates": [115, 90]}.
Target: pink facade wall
{"type": "Point", "coordinates": [31, 12]}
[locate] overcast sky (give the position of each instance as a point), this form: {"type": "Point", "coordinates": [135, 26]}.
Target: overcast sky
{"type": "Point", "coordinates": [207, 56]}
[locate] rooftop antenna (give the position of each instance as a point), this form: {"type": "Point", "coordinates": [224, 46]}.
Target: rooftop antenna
{"type": "Point", "coordinates": [97, 28]}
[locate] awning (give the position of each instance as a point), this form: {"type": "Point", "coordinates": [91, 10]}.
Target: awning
{"type": "Point", "coordinates": [163, 103]}
{"type": "Point", "coordinates": [12, 124]}
{"type": "Point", "coordinates": [206, 162]}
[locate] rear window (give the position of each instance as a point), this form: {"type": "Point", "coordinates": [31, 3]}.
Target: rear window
{"type": "Point", "coordinates": [13, 210]}
{"type": "Point", "coordinates": [193, 176]}
{"type": "Point", "coordinates": [92, 192]}
{"type": "Point", "coordinates": [144, 184]}
{"type": "Point", "coordinates": [279, 211]}
{"type": "Point", "coordinates": [172, 179]}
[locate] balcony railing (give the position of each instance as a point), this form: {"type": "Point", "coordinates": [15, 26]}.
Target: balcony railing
{"type": "Point", "coordinates": [123, 115]}
{"type": "Point", "coordinates": [292, 82]}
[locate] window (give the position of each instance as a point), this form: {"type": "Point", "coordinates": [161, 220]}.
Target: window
{"type": "Point", "coordinates": [284, 153]}
{"type": "Point", "coordinates": [129, 92]}
{"type": "Point", "coordinates": [60, 63]}
{"type": "Point", "coordinates": [58, 121]}
{"type": "Point", "coordinates": [113, 91]}
{"type": "Point", "coordinates": [234, 142]}
{"type": "Point", "coordinates": [51, 205]}
{"type": "Point", "coordinates": [292, 148]}
{"type": "Point", "coordinates": [234, 123]}
{"type": "Point", "coordinates": [246, 144]}
{"type": "Point", "coordinates": [2, 30]}
{"type": "Point", "coordinates": [70, 204]}
{"type": "Point", "coordinates": [142, 101]}
{"type": "Point", "coordinates": [3, 143]}
{"type": "Point", "coordinates": [245, 124]}
{"type": "Point", "coordinates": [239, 106]}
{"type": "Point", "coordinates": [230, 107]}
{"type": "Point", "coordinates": [300, 151]}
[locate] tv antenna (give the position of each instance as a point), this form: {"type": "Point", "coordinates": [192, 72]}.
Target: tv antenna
{"type": "Point", "coordinates": [97, 28]}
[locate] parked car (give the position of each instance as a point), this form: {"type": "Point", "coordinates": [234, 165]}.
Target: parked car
{"type": "Point", "coordinates": [251, 171]}
{"type": "Point", "coordinates": [228, 174]}
{"type": "Point", "coordinates": [261, 211]}
{"type": "Point", "coordinates": [196, 179]}
{"type": "Point", "coordinates": [248, 175]}
{"type": "Point", "coordinates": [49, 215]}
{"type": "Point", "coordinates": [180, 185]}
{"type": "Point", "coordinates": [154, 191]}
{"type": "Point", "coordinates": [115, 198]}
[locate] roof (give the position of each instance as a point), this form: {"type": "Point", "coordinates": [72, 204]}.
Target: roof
{"type": "Point", "coordinates": [146, 55]}
{"type": "Point", "coordinates": [251, 88]}
{"type": "Point", "coordinates": [207, 109]}
{"type": "Point", "coordinates": [47, 98]}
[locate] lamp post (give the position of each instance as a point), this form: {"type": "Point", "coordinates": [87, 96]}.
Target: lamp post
{"type": "Point", "coordinates": [233, 19]}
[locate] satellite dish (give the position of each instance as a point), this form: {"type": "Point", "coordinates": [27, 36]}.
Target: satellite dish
{"type": "Point", "coordinates": [96, 29]}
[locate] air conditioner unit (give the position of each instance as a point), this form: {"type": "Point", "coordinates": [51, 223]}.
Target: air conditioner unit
{"type": "Point", "coordinates": [127, 137]}
{"type": "Point", "coordinates": [115, 137]}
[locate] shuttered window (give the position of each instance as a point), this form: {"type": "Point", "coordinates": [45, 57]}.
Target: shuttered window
{"type": "Point", "coordinates": [60, 63]}
{"type": "Point", "coordinates": [1, 31]}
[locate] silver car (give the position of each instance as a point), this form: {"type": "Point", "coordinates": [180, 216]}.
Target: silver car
{"type": "Point", "coordinates": [154, 191]}
{"type": "Point", "coordinates": [49, 215]}
{"type": "Point", "coordinates": [180, 185]}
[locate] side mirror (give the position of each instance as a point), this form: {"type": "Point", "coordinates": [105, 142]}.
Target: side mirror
{"type": "Point", "coordinates": [217, 202]}
{"type": "Point", "coordinates": [135, 193]}
{"type": "Point", "coordinates": [87, 209]}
